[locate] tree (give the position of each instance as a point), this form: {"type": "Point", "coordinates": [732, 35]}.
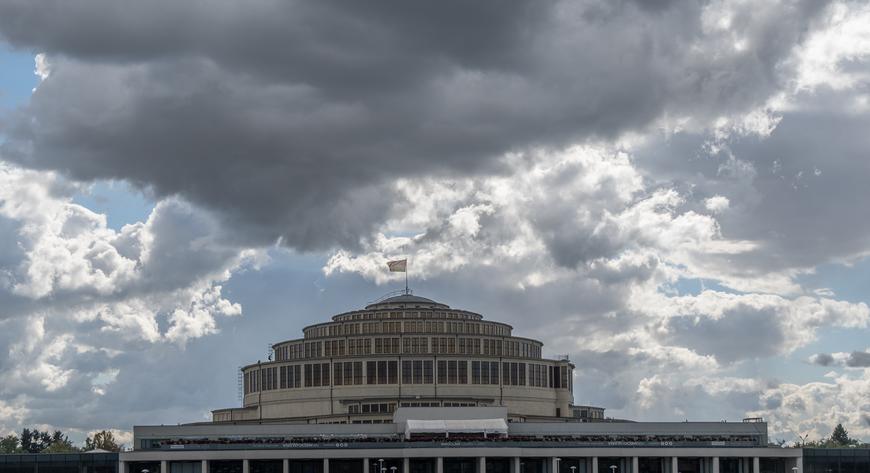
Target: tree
{"type": "Point", "coordinates": [103, 440]}
{"type": "Point", "coordinates": [840, 437]}
{"type": "Point", "coordinates": [9, 444]}
{"type": "Point", "coordinates": [34, 441]}
{"type": "Point", "coordinates": [60, 443]}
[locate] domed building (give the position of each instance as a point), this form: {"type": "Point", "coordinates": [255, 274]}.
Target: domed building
{"type": "Point", "coordinates": [405, 351]}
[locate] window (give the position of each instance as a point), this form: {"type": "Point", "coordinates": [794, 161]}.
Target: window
{"type": "Point", "coordinates": [338, 374]}
{"type": "Point", "coordinates": [371, 372]}
{"type": "Point", "coordinates": [493, 372]}
{"type": "Point", "coordinates": [514, 374]}
{"type": "Point", "coordinates": [451, 372]}
{"type": "Point", "coordinates": [475, 372]}
{"type": "Point", "coordinates": [316, 369]}
{"type": "Point", "coordinates": [538, 375]}
{"type": "Point", "coordinates": [357, 372]}
{"type": "Point", "coordinates": [392, 372]}
{"type": "Point", "coordinates": [308, 376]}
{"type": "Point", "coordinates": [428, 368]}
{"type": "Point", "coordinates": [442, 372]}
{"type": "Point", "coordinates": [407, 377]}
{"type": "Point", "coordinates": [382, 372]}
{"type": "Point", "coordinates": [348, 373]}
{"type": "Point", "coordinates": [418, 371]}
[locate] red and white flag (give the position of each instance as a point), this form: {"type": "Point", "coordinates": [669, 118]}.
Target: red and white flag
{"type": "Point", "coordinates": [398, 266]}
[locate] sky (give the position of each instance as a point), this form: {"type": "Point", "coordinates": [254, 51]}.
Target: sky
{"type": "Point", "coordinates": [673, 193]}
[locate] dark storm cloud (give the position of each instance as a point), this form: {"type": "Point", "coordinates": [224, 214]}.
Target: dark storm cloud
{"type": "Point", "coordinates": [823, 359]}
{"type": "Point", "coordinates": [855, 359]}
{"type": "Point", "coordinates": [858, 359]}
{"type": "Point", "coordinates": [291, 118]}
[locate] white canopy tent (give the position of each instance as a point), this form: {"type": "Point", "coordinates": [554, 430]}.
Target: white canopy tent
{"type": "Point", "coordinates": [446, 427]}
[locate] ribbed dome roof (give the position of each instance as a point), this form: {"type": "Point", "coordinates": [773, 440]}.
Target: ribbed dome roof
{"type": "Point", "coordinates": [408, 300]}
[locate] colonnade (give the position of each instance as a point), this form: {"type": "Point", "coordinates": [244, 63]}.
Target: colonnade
{"type": "Point", "coordinates": [514, 464]}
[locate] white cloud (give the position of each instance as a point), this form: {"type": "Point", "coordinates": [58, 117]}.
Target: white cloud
{"type": "Point", "coordinates": [814, 408]}
{"type": "Point", "coordinates": [844, 38]}
{"type": "Point", "coordinates": [717, 203]}
{"type": "Point", "coordinates": [78, 296]}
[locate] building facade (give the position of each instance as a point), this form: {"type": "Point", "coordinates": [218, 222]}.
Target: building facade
{"type": "Point", "coordinates": [405, 351]}
{"type": "Point", "coordinates": [461, 440]}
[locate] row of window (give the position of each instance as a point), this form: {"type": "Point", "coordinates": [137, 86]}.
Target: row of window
{"type": "Point", "coordinates": [350, 373]}
{"type": "Point", "coordinates": [408, 326]}
{"type": "Point", "coordinates": [408, 314]}
{"type": "Point", "coordinates": [372, 408]}
{"type": "Point", "coordinates": [408, 345]}
{"type": "Point", "coordinates": [390, 407]}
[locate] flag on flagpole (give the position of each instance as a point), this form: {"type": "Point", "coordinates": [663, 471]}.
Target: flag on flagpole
{"type": "Point", "coordinates": [398, 266]}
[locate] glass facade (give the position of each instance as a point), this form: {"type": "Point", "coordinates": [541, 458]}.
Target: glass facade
{"type": "Point", "coordinates": [60, 463]}
{"type": "Point", "coordinates": [837, 460]}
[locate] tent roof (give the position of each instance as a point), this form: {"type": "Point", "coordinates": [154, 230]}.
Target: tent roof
{"type": "Point", "coordinates": [415, 426]}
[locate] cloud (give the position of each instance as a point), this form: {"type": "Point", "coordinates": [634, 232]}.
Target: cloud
{"type": "Point", "coordinates": [648, 199]}
{"type": "Point", "coordinates": [80, 297]}
{"type": "Point", "coordinates": [822, 359]}
{"type": "Point", "coordinates": [717, 203]}
{"type": "Point", "coordinates": [815, 408]}
{"type": "Point", "coordinates": [855, 359]}
{"type": "Point", "coordinates": [294, 130]}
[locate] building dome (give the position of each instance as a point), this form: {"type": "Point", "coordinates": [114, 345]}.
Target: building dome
{"type": "Point", "coordinates": [406, 301]}
{"type": "Point", "coordinates": [403, 351]}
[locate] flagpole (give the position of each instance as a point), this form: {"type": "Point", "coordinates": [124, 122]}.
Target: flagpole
{"type": "Point", "coordinates": [406, 279]}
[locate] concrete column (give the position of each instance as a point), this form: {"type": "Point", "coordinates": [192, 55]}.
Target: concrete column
{"type": "Point", "coordinates": [756, 465]}
{"type": "Point", "coordinates": [715, 464]}
{"type": "Point", "coordinates": [515, 465]}
{"type": "Point", "coordinates": [122, 467]}
{"type": "Point", "coordinates": [481, 465]}
{"type": "Point", "coordinates": [675, 465]}
{"type": "Point", "coordinates": [164, 466]}
{"type": "Point", "coordinates": [285, 467]}
{"type": "Point", "coordinates": [594, 464]}
{"type": "Point", "coordinates": [325, 466]}
{"type": "Point", "coordinates": [554, 465]}
{"type": "Point", "coordinates": [406, 465]}
{"type": "Point", "coordinates": [203, 468]}
{"type": "Point", "coordinates": [635, 465]}
{"type": "Point", "coordinates": [365, 465]}
{"type": "Point", "coordinates": [439, 465]}
{"type": "Point", "coordinates": [246, 466]}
